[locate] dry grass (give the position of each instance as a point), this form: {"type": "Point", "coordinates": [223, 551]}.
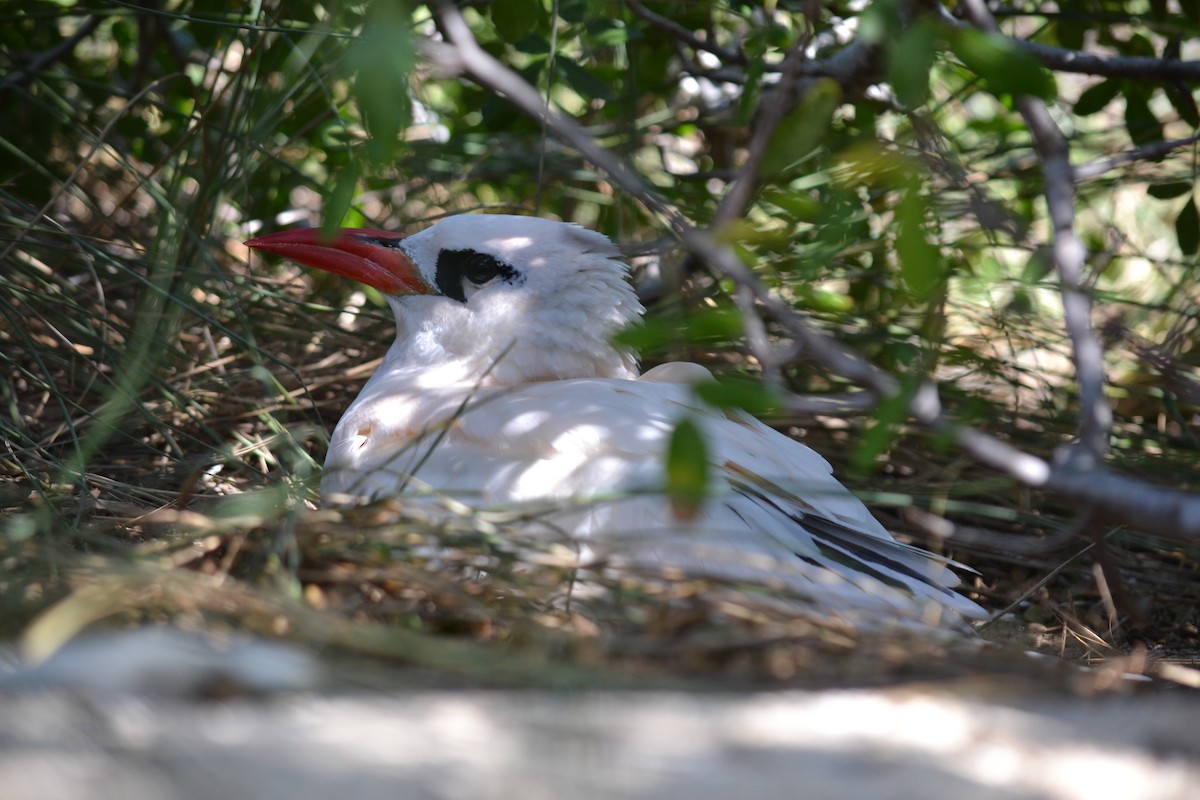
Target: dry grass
{"type": "Point", "coordinates": [165, 408]}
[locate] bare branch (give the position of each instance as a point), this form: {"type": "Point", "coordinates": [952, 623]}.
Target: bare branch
{"type": "Point", "coordinates": [1069, 259]}
{"type": "Point", "coordinates": [1064, 60]}
{"type": "Point", "coordinates": [776, 102]}
{"type": "Point", "coordinates": [1149, 152]}
{"type": "Point", "coordinates": [1114, 498]}
{"type": "Point", "coordinates": [1135, 67]}
{"type": "Point", "coordinates": [683, 34]}
{"type": "Point", "coordinates": [490, 73]}
{"type": "Point", "coordinates": [44, 60]}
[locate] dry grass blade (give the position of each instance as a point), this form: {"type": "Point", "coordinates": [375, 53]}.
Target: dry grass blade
{"type": "Point", "coordinates": [164, 406]}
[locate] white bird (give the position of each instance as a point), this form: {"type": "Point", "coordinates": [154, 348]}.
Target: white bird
{"type": "Point", "coordinates": [504, 388]}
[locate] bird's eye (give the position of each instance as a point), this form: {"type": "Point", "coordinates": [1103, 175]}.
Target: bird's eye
{"type": "Point", "coordinates": [481, 268]}
{"type": "Point", "coordinates": [456, 266]}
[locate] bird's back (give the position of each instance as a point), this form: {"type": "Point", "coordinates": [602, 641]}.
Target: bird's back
{"type": "Point", "coordinates": [586, 457]}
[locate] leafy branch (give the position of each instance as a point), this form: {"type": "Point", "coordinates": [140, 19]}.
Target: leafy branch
{"type": "Point", "coordinates": [1119, 499]}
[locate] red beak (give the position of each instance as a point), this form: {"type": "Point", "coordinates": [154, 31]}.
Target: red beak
{"type": "Point", "coordinates": [368, 256]}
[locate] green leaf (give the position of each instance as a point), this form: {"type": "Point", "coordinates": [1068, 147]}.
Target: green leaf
{"type": "Point", "coordinates": [1039, 265]}
{"type": "Point", "coordinates": [713, 325]}
{"type": "Point", "coordinates": [825, 300]}
{"type": "Point", "coordinates": [1069, 34]}
{"type": "Point", "coordinates": [515, 19]}
{"type": "Point", "coordinates": [1097, 97]}
{"type": "Point", "coordinates": [687, 469]}
{"type": "Point", "coordinates": [880, 432]}
{"type": "Point", "coordinates": [879, 21]}
{"type": "Point", "coordinates": [337, 204]}
{"type": "Point", "coordinates": [609, 32]}
{"type": "Point", "coordinates": [748, 102]}
{"type": "Point", "coordinates": [745, 394]}
{"type": "Point", "coordinates": [574, 11]}
{"type": "Point", "coordinates": [382, 58]}
{"type": "Point", "coordinates": [1003, 65]}
{"type": "Point", "coordinates": [585, 84]}
{"type": "Point", "coordinates": [1021, 304]}
{"type": "Point", "coordinates": [1165, 191]}
{"type": "Point", "coordinates": [920, 261]}
{"type": "Point", "coordinates": [801, 205]}
{"type": "Point", "coordinates": [1184, 103]}
{"type": "Point", "coordinates": [801, 131]}
{"type": "Point", "coordinates": [1140, 121]}
{"type": "Point", "coordinates": [1187, 228]}
{"type": "Point", "coordinates": [911, 58]}
{"type": "Point", "coordinates": [650, 335]}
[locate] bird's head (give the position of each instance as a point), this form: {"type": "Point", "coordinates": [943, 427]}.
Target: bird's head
{"type": "Point", "coordinates": [518, 298]}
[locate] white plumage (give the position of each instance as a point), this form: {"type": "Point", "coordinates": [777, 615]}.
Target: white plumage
{"type": "Point", "coordinates": [504, 388]}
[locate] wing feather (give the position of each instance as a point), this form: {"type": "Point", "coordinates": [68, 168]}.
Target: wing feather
{"type": "Point", "coordinates": [777, 514]}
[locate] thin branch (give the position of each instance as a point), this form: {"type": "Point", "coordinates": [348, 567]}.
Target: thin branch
{"type": "Point", "coordinates": [1149, 152]}
{"type": "Point", "coordinates": [1114, 498]}
{"type": "Point", "coordinates": [776, 103]}
{"type": "Point", "coordinates": [1146, 68]}
{"type": "Point", "coordinates": [1064, 60]}
{"type": "Point", "coordinates": [44, 60]}
{"type": "Point", "coordinates": [681, 33]}
{"type": "Point", "coordinates": [1070, 256]}
{"type": "Point", "coordinates": [466, 54]}
{"type": "Point", "coordinates": [831, 405]}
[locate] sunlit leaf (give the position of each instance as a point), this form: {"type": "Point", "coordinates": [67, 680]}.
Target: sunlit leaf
{"type": "Point", "coordinates": [870, 163]}
{"type": "Point", "coordinates": [825, 300]}
{"type": "Point", "coordinates": [920, 261]}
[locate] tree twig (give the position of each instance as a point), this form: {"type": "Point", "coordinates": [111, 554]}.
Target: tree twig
{"type": "Point", "coordinates": [1149, 152]}
{"type": "Point", "coordinates": [1135, 67]}
{"type": "Point", "coordinates": [1064, 60]}
{"type": "Point", "coordinates": [681, 33]}
{"type": "Point", "coordinates": [1114, 498]}
{"type": "Point", "coordinates": [43, 60]}
{"type": "Point", "coordinates": [1069, 259]}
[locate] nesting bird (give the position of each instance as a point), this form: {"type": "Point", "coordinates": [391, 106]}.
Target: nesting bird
{"type": "Point", "coordinates": [504, 388]}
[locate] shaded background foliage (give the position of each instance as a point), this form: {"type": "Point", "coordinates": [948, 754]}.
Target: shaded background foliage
{"type": "Point", "coordinates": [151, 373]}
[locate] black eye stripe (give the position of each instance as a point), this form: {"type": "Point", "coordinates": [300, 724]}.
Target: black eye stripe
{"type": "Point", "coordinates": [456, 266]}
